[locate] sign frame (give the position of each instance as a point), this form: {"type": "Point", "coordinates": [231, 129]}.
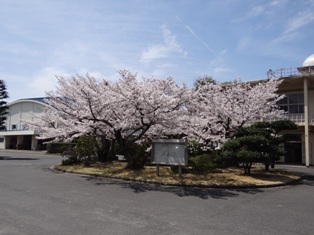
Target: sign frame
{"type": "Point", "coordinates": [169, 152]}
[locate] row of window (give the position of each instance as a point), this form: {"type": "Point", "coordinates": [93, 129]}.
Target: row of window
{"type": "Point", "coordinates": [14, 127]}
{"type": "Point", "coordinates": [292, 103]}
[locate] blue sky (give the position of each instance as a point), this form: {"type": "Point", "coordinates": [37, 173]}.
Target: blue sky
{"type": "Point", "coordinates": [184, 39]}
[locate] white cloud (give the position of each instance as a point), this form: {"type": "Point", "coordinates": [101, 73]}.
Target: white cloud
{"type": "Point", "coordinates": [160, 71]}
{"type": "Point", "coordinates": [45, 80]}
{"type": "Point", "coordinates": [70, 54]}
{"type": "Point", "coordinates": [244, 43]}
{"type": "Point", "coordinates": [221, 70]}
{"type": "Point", "coordinates": [287, 37]}
{"type": "Point", "coordinates": [302, 19]}
{"type": "Point", "coordinates": [170, 46]}
{"type": "Point", "coordinates": [292, 30]}
{"type": "Point", "coordinates": [278, 3]}
{"type": "Point", "coordinates": [98, 75]}
{"type": "Point", "coordinates": [254, 12]}
{"type": "Point", "coordinates": [217, 66]}
{"type": "Point", "coordinates": [267, 10]}
{"type": "Point", "coordinates": [15, 85]}
{"type": "Point", "coordinates": [154, 52]}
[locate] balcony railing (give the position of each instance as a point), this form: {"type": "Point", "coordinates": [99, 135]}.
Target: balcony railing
{"type": "Point", "coordinates": [25, 128]}
{"type": "Point", "coordinates": [295, 117]}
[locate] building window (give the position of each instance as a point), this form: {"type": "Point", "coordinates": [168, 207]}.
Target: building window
{"type": "Point", "coordinates": [292, 103]}
{"type": "Point", "coordinates": [14, 127]}
{"type": "Point", "coordinates": [1, 139]}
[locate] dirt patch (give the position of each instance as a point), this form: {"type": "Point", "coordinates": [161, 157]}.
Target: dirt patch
{"type": "Point", "coordinates": [231, 177]}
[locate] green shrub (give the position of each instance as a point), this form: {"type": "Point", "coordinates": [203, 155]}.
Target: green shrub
{"type": "Point", "coordinates": [85, 148]}
{"type": "Point", "coordinates": [58, 147]}
{"type": "Point", "coordinates": [135, 154]}
{"type": "Point", "coordinates": [70, 156]}
{"type": "Point", "coordinates": [201, 163]}
{"type": "Point", "coordinates": [67, 162]}
{"type": "Point", "coordinates": [216, 158]}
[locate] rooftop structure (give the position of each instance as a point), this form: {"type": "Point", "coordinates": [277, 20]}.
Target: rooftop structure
{"type": "Point", "coordinates": [307, 68]}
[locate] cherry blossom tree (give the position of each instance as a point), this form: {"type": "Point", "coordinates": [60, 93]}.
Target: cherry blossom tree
{"type": "Point", "coordinates": [219, 110]}
{"type": "Point", "coordinates": [126, 111]}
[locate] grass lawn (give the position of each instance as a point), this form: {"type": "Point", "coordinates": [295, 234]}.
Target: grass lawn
{"type": "Point", "coordinates": [220, 177]}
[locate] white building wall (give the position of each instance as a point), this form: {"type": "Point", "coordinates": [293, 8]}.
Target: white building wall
{"type": "Point", "coordinates": [34, 143]}
{"type": "Point", "coordinates": [17, 134]}
{"type": "Point", "coordinates": [22, 111]}
{"type": "Point", "coordinates": [14, 116]}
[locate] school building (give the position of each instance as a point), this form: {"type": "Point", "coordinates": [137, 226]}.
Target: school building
{"type": "Point", "coordinates": [298, 86]}
{"type": "Point", "coordinates": [16, 134]}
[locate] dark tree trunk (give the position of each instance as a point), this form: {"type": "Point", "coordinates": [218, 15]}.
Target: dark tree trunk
{"type": "Point", "coordinates": [269, 163]}
{"type": "Point", "coordinates": [135, 161]}
{"type": "Point", "coordinates": [105, 150]}
{"type": "Point", "coordinates": [130, 151]}
{"type": "Point", "coordinates": [267, 166]}
{"type": "Point", "coordinates": [134, 164]}
{"type": "Point", "coordinates": [247, 168]}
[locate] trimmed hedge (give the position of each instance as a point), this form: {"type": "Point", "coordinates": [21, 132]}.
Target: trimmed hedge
{"type": "Point", "coordinates": [201, 163]}
{"type": "Point", "coordinates": [58, 147]}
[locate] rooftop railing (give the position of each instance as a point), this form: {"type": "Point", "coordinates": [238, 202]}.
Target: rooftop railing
{"type": "Point", "coordinates": [289, 72]}
{"type": "Point", "coordinates": [283, 72]}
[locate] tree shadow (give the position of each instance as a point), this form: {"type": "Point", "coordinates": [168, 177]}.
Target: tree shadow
{"type": "Point", "coordinates": [307, 180]}
{"type": "Point", "coordinates": [180, 191]}
{"type": "Point", "coordinates": [276, 178]}
{"type": "Point", "coordinates": [17, 158]}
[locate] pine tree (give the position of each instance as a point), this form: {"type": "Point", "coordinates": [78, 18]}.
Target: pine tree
{"type": "Point", "coordinates": [3, 104]}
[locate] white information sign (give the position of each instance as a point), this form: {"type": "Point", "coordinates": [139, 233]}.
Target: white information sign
{"type": "Point", "coordinates": [169, 152]}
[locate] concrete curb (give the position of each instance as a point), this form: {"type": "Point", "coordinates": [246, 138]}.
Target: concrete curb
{"type": "Point", "coordinates": [291, 182]}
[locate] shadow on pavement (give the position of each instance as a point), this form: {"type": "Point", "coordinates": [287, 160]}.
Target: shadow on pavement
{"type": "Point", "coordinates": [181, 191]}
{"type": "Point", "coordinates": [308, 180]}
{"type": "Point", "coordinates": [17, 158]}
{"type": "Point", "coordinates": [308, 173]}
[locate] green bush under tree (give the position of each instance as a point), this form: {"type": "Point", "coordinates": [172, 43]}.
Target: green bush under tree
{"type": "Point", "coordinates": [201, 163]}
{"type": "Point", "coordinates": [82, 150]}
{"type": "Point", "coordinates": [259, 143]}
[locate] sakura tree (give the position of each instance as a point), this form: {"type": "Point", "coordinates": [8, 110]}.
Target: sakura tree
{"type": "Point", "coordinates": [131, 110]}
{"type": "Point", "coordinates": [126, 111]}
{"type": "Point", "coordinates": [218, 111]}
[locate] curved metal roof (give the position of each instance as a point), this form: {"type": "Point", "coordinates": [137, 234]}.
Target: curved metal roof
{"type": "Point", "coordinates": [40, 100]}
{"type": "Point", "coordinates": [309, 61]}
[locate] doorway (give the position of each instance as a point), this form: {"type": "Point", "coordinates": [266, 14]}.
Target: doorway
{"type": "Point", "coordinates": [293, 151]}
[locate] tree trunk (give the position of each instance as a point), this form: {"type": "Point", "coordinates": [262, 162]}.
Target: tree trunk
{"type": "Point", "coordinates": [105, 149]}
{"type": "Point", "coordinates": [129, 149]}
{"type": "Point", "coordinates": [247, 168]}
{"type": "Point", "coordinates": [134, 164]}
{"type": "Point", "coordinates": [267, 166]}
{"type": "Point", "coordinates": [135, 161]}
{"type": "Point", "coordinates": [270, 163]}
{"type": "Point", "coordinates": [132, 155]}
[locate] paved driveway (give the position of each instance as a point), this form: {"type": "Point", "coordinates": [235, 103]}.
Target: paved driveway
{"type": "Point", "coordinates": [35, 200]}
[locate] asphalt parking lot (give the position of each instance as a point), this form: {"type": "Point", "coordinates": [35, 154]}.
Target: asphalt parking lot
{"type": "Point", "coordinates": [36, 200]}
